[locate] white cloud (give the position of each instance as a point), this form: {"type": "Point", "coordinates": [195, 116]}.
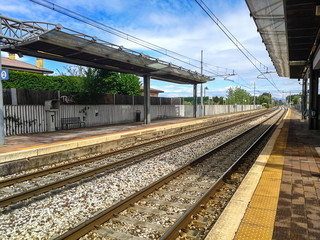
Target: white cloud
{"type": "Point", "coordinates": [180, 26]}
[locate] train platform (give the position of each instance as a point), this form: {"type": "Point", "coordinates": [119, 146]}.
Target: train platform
{"type": "Point", "coordinates": [27, 151]}
{"type": "Point", "coordinates": [34, 144]}
{"type": "Point", "coordinates": [280, 196]}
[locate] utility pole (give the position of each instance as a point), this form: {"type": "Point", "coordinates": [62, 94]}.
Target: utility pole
{"type": "Point", "coordinates": [254, 93]}
{"type": "Point", "coordinates": [290, 100]}
{"type": "Point", "coordinates": [269, 99]}
{"type": "Point", "coordinates": [1, 98]}
{"type": "Point", "coordinates": [201, 89]}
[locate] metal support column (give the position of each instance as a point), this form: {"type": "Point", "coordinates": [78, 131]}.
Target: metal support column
{"type": "Point", "coordinates": [201, 88]}
{"type": "Point", "coordinates": [146, 87]}
{"type": "Point", "coordinates": [201, 101]}
{"type": "Point", "coordinates": [313, 100]}
{"type": "Point", "coordinates": [304, 97]}
{"type": "Point", "coordinates": [195, 100]}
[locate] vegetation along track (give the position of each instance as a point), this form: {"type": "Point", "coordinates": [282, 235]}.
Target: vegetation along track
{"type": "Point", "coordinates": [27, 186]}
{"type": "Point", "coordinates": [165, 208]}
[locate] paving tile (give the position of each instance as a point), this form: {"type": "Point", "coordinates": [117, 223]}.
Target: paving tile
{"type": "Point", "coordinates": [299, 228]}
{"type": "Point", "coordinates": [303, 214]}
{"type": "Point", "coordinates": [280, 233]}
{"type": "Point", "coordinates": [297, 236]}
{"type": "Point", "coordinates": [298, 208]}
{"type": "Point", "coordinates": [314, 234]}
{"type": "Point", "coordinates": [313, 224]}
{"type": "Point", "coordinates": [311, 195]}
{"type": "Point", "coordinates": [284, 202]}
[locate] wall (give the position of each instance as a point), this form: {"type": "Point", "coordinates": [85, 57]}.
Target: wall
{"type": "Point", "coordinates": [23, 119]}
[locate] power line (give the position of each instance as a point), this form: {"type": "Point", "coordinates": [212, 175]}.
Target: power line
{"type": "Point", "coordinates": [227, 30]}
{"type": "Point", "coordinates": [72, 14]}
{"type": "Point", "coordinates": [233, 39]}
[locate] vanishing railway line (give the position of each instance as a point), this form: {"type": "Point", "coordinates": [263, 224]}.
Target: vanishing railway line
{"type": "Point", "coordinates": [29, 185]}
{"type": "Point", "coordinates": [53, 213]}
{"type": "Point", "coordinates": [168, 205]}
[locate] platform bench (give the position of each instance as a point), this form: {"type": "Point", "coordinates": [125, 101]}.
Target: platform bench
{"type": "Point", "coordinates": [65, 122]}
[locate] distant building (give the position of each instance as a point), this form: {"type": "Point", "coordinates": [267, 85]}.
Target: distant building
{"type": "Point", "coordinates": [153, 92]}
{"type": "Point", "coordinates": [12, 64]}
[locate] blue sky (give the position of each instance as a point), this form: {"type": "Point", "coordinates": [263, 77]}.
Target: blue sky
{"type": "Point", "coordinates": [177, 25]}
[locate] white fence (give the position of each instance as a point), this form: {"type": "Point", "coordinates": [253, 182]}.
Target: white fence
{"type": "Point", "coordinates": [24, 119]}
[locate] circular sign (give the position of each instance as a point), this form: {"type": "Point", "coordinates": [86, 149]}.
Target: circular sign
{"type": "Point", "coordinates": [3, 74]}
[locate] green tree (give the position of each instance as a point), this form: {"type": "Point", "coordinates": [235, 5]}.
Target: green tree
{"type": "Point", "coordinates": [35, 81]}
{"type": "Point", "coordinates": [101, 81]}
{"type": "Point", "coordinates": [294, 98]}
{"type": "Point", "coordinates": [238, 95]}
{"type": "Point", "coordinates": [264, 98]}
{"type": "Point", "coordinates": [206, 100]}
{"type": "Point", "coordinates": [218, 100]}
{"type": "Point", "coordinates": [95, 83]}
{"type": "Point", "coordinates": [125, 84]}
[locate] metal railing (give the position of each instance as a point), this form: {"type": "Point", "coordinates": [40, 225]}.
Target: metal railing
{"type": "Point", "coordinates": [14, 31]}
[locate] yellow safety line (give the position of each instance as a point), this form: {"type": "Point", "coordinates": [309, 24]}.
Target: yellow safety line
{"type": "Point", "coordinates": [258, 221]}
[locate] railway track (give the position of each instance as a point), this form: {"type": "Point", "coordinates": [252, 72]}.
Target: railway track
{"type": "Point", "coordinates": [84, 172]}
{"type": "Point", "coordinates": [165, 208]}
{"type": "Point", "coordinates": [217, 126]}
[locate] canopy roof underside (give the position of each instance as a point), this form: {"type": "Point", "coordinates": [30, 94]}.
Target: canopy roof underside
{"type": "Point", "coordinates": [289, 30]}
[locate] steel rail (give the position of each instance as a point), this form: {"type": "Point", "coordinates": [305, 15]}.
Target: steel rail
{"type": "Point", "coordinates": [90, 173]}
{"type": "Point", "coordinates": [110, 212]}
{"type": "Point", "coordinates": [185, 219]}
{"type": "Point", "coordinates": [55, 169]}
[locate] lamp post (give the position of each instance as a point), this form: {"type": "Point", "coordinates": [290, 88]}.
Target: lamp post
{"type": "Point", "coordinates": [206, 88]}
{"type": "Point", "coordinates": [204, 107]}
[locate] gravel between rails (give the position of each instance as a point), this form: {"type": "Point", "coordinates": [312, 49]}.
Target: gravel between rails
{"type": "Point", "coordinates": [29, 185]}
{"type": "Point", "coordinates": [58, 212]}
{"type": "Point", "coordinates": [56, 176]}
{"type": "Point", "coordinates": [217, 119]}
{"type": "Point", "coordinates": [184, 189]}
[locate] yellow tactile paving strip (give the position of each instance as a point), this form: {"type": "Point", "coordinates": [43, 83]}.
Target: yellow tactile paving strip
{"type": "Point", "coordinates": [258, 221]}
{"type": "Point", "coordinates": [230, 219]}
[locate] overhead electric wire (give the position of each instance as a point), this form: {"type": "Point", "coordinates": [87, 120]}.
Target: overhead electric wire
{"type": "Point", "coordinates": [218, 20]}
{"type": "Point", "coordinates": [232, 38]}
{"type": "Point", "coordinates": [118, 33]}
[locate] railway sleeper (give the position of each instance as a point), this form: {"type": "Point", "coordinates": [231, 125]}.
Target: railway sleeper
{"type": "Point", "coordinates": [109, 233]}
{"type": "Point", "coordinates": [190, 191]}
{"type": "Point", "coordinates": [145, 209]}
{"type": "Point", "coordinates": [181, 206]}
{"type": "Point", "coordinates": [196, 183]}
{"type": "Point", "coordinates": [191, 234]}
{"type": "Point", "coordinates": [177, 195]}
{"type": "Point", "coordinates": [202, 221]}
{"type": "Point", "coordinates": [140, 224]}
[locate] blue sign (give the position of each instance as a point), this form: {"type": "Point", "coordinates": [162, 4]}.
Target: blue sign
{"type": "Point", "coordinates": [4, 74]}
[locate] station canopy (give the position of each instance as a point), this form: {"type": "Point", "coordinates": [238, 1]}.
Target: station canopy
{"type": "Point", "coordinates": [54, 42]}
{"type": "Point", "coordinates": [290, 32]}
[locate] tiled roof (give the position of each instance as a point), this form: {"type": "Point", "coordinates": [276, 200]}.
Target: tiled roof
{"type": "Point", "coordinates": [22, 66]}
{"type": "Point", "coordinates": [152, 90]}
